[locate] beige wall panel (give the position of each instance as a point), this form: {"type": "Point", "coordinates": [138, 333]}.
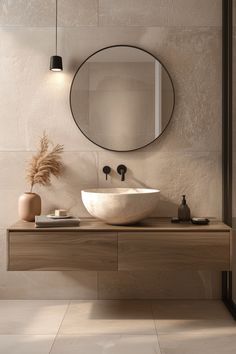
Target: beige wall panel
{"type": "Point", "coordinates": [186, 159]}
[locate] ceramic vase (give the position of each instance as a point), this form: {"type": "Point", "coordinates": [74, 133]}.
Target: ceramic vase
{"type": "Point", "coordinates": [29, 205]}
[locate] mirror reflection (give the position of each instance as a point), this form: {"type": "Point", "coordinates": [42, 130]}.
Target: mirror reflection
{"type": "Point", "coordinates": [122, 98]}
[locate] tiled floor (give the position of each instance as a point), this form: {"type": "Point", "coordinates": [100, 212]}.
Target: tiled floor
{"type": "Point", "coordinates": [115, 327]}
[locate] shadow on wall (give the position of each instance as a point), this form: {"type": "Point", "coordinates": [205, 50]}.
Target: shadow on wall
{"type": "Point", "coordinates": [65, 192]}
{"type": "Point", "coordinates": [165, 205]}
{"type": "Point", "coordinates": [41, 285]}
{"type": "Point", "coordinates": [74, 65]}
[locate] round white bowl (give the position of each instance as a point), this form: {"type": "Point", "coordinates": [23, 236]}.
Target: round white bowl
{"type": "Point", "coordinates": [120, 206]}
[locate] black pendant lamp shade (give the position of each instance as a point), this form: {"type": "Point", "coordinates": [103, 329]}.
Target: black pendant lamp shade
{"type": "Point", "coordinates": [56, 60]}
{"type": "Point", "coordinates": [56, 63]}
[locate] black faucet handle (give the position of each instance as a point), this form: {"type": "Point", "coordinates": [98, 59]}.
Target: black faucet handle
{"type": "Point", "coordinates": [122, 169]}
{"type": "Point", "coordinates": [106, 170]}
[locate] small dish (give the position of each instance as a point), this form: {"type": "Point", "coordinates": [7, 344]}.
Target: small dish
{"type": "Point", "coordinates": [52, 216]}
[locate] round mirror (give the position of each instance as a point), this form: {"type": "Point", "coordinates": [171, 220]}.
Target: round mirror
{"type": "Point", "coordinates": [122, 98]}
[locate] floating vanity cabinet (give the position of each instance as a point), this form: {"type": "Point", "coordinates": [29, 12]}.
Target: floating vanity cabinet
{"type": "Point", "coordinates": [62, 250]}
{"type": "Point", "coordinates": [154, 244]}
{"type": "Point", "coordinates": [173, 251]}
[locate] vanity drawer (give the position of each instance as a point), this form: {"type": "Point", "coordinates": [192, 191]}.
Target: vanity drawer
{"type": "Point", "coordinates": [71, 250]}
{"type": "Point", "coordinates": [174, 251]}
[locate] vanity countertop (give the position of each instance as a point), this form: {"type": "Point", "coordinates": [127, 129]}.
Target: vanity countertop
{"type": "Point", "coordinates": [150, 224]}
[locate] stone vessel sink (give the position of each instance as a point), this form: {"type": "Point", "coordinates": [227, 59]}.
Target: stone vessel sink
{"type": "Point", "coordinates": [120, 206]}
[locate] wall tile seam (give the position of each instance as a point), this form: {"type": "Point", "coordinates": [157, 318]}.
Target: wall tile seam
{"type": "Point", "coordinates": [159, 26]}
{"type": "Point", "coordinates": [52, 27]}
{"type": "Point", "coordinates": [120, 152]}
{"type": "Point", "coordinates": [98, 11]}
{"type": "Point", "coordinates": [17, 27]}
{"type": "Point", "coordinates": [34, 151]}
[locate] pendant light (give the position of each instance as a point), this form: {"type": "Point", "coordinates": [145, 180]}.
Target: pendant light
{"type": "Point", "coordinates": [56, 60]}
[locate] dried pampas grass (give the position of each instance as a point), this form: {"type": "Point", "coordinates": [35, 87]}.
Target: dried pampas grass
{"type": "Point", "coordinates": [45, 163]}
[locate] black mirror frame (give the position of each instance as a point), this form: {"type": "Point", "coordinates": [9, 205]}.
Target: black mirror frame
{"type": "Point", "coordinates": [129, 46]}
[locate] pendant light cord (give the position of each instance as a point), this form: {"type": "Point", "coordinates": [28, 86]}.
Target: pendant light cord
{"type": "Point", "coordinates": [56, 60]}
{"type": "Point", "coordinates": [56, 27]}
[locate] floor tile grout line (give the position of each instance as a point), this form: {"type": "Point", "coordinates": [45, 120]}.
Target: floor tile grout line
{"type": "Point", "coordinates": [104, 334]}
{"type": "Point", "coordinates": [54, 340]}
{"type": "Point", "coordinates": [154, 319]}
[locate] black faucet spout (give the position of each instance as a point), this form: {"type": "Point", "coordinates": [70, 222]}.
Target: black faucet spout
{"type": "Point", "coordinates": [122, 169]}
{"type": "Point", "coordinates": [106, 170]}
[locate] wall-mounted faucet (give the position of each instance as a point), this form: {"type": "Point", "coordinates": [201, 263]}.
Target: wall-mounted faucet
{"type": "Point", "coordinates": [122, 169]}
{"type": "Point", "coordinates": [106, 170]}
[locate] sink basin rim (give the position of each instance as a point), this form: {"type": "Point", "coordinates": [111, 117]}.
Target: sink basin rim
{"type": "Point", "coordinates": [121, 191]}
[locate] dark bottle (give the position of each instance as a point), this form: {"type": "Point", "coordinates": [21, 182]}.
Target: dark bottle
{"type": "Point", "coordinates": [184, 211]}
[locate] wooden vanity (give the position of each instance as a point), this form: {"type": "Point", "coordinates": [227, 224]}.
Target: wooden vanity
{"type": "Point", "coordinates": [155, 243]}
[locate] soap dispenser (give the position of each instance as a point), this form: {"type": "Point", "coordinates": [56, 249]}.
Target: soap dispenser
{"type": "Point", "coordinates": [184, 211]}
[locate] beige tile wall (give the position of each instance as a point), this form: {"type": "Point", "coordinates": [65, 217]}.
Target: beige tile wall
{"type": "Point", "coordinates": [186, 36]}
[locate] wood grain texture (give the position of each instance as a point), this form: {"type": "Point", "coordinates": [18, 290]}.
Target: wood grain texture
{"type": "Point", "coordinates": [174, 251]}
{"type": "Point", "coordinates": [62, 251]}
{"type": "Point", "coordinates": [154, 244]}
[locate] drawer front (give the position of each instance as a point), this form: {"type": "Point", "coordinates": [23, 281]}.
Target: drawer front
{"type": "Point", "coordinates": [174, 251]}
{"type": "Point", "coordinates": [62, 251]}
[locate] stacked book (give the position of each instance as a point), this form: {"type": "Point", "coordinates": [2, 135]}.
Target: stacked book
{"type": "Point", "coordinates": [45, 221]}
